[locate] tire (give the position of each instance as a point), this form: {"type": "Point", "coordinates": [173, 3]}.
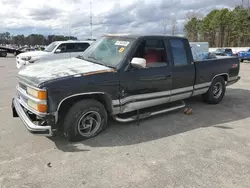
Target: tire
{"type": "Point", "coordinates": [81, 111]}
{"type": "Point", "coordinates": [241, 60]}
{"type": "Point", "coordinates": [210, 96]}
{"type": "Point", "coordinates": [5, 55]}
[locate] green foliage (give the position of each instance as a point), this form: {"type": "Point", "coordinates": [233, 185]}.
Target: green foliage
{"type": "Point", "coordinates": [33, 39]}
{"type": "Point", "coordinates": [221, 28]}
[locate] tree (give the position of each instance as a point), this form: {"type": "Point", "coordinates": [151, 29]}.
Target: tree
{"type": "Point", "coordinates": [33, 39]}
{"type": "Point", "coordinates": [191, 29]}
{"type": "Point", "coordinates": [220, 28]}
{"type": "Point", "coordinates": [174, 26]}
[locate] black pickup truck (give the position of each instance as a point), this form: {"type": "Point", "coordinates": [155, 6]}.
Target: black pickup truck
{"type": "Point", "coordinates": [118, 76]}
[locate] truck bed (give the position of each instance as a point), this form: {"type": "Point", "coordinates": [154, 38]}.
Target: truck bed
{"type": "Point", "coordinates": [208, 69]}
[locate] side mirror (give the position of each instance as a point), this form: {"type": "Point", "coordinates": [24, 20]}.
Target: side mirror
{"type": "Point", "coordinates": [138, 62]}
{"type": "Point", "coordinates": [58, 51]}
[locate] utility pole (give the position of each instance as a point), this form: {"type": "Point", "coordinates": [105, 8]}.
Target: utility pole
{"type": "Point", "coordinates": [164, 24]}
{"type": "Point", "coordinates": [90, 18]}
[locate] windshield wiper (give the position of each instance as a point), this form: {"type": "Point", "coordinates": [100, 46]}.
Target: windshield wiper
{"type": "Point", "coordinates": [80, 57]}
{"type": "Point", "coordinates": [100, 63]}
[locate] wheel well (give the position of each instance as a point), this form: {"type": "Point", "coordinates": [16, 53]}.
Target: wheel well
{"type": "Point", "coordinates": [68, 103]}
{"type": "Point", "coordinates": [224, 76]}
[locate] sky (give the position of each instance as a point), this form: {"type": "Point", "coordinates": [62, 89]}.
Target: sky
{"type": "Point", "coordinates": [72, 17]}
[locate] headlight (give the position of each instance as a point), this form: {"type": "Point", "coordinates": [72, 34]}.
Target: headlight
{"type": "Point", "coordinates": [39, 94]}
{"type": "Point", "coordinates": [40, 106]}
{"type": "Point", "coordinates": [26, 58]}
{"type": "Point", "coordinates": [37, 106]}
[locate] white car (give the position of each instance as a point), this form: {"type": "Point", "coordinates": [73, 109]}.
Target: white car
{"type": "Point", "coordinates": [56, 50]}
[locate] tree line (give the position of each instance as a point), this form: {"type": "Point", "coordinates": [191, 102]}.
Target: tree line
{"type": "Point", "coordinates": [221, 28]}
{"type": "Point", "coordinates": [33, 39]}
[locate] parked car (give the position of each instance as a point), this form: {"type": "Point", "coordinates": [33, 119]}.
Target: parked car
{"type": "Point", "coordinates": [56, 50]}
{"type": "Point", "coordinates": [224, 52]}
{"type": "Point", "coordinates": [119, 76]}
{"type": "Point", "coordinates": [244, 56]}
{"type": "Point", "coordinates": [3, 53]}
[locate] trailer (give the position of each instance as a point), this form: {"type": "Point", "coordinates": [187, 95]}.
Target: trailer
{"type": "Point", "coordinates": [9, 50]}
{"type": "Point", "coordinates": [3, 53]}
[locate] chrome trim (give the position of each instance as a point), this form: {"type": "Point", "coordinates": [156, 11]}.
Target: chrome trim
{"type": "Point", "coordinates": [25, 105]}
{"type": "Point", "coordinates": [78, 94]}
{"type": "Point", "coordinates": [233, 81]}
{"type": "Point", "coordinates": [116, 110]}
{"type": "Point", "coordinates": [200, 91]}
{"type": "Point", "coordinates": [116, 102]}
{"type": "Point", "coordinates": [206, 84]}
{"type": "Point", "coordinates": [146, 115]}
{"type": "Point", "coordinates": [33, 128]}
{"type": "Point", "coordinates": [180, 96]}
{"type": "Point", "coordinates": [183, 89]}
{"type": "Point", "coordinates": [233, 78]}
{"type": "Point", "coordinates": [144, 104]}
{"type": "Point", "coordinates": [25, 94]}
{"type": "Point", "coordinates": [145, 96]}
{"type": "Point", "coordinates": [38, 89]}
{"type": "Point", "coordinates": [220, 75]}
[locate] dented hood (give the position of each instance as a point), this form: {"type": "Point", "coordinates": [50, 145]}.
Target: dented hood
{"type": "Point", "coordinates": [38, 73]}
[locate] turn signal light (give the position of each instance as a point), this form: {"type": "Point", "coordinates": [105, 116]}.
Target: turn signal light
{"type": "Point", "coordinates": [37, 106]}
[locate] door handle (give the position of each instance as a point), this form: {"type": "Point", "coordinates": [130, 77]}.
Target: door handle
{"type": "Point", "coordinates": [159, 77]}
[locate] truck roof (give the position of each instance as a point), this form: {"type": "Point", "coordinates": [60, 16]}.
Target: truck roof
{"type": "Point", "coordinates": [74, 41]}
{"type": "Point", "coordinates": [135, 36]}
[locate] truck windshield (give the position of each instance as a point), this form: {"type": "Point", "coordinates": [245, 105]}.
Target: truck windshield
{"type": "Point", "coordinates": [108, 50]}
{"type": "Point", "coordinates": [51, 47]}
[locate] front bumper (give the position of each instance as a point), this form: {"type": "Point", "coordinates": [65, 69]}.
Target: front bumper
{"type": "Point", "coordinates": [18, 110]}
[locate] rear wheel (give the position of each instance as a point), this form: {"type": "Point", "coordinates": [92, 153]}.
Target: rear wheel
{"type": "Point", "coordinates": [84, 120]}
{"type": "Point", "coordinates": [216, 91]}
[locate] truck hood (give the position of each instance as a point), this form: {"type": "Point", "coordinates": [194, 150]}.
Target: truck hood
{"type": "Point", "coordinates": [38, 73]}
{"type": "Point", "coordinates": [33, 53]}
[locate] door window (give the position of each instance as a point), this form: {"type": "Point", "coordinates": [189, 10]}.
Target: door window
{"type": "Point", "coordinates": [153, 51]}
{"type": "Point", "coordinates": [80, 47]}
{"type": "Point", "coordinates": [70, 47]}
{"type": "Point", "coordinates": [62, 47]}
{"type": "Point", "coordinates": [178, 52]}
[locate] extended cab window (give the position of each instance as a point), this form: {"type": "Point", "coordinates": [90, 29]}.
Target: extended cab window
{"type": "Point", "coordinates": [178, 52]}
{"type": "Point", "coordinates": [153, 51]}
{"type": "Point", "coordinates": [80, 47]}
{"type": "Point", "coordinates": [70, 47]}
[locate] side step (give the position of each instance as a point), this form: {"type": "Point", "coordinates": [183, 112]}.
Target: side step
{"type": "Point", "coordinates": [148, 114]}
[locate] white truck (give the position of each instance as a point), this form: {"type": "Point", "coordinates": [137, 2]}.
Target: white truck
{"type": "Point", "coordinates": [56, 50]}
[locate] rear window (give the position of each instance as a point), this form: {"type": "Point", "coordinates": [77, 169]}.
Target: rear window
{"type": "Point", "coordinates": [178, 52]}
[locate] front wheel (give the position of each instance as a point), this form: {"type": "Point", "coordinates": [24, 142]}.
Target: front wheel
{"type": "Point", "coordinates": [216, 91]}
{"type": "Point", "coordinates": [84, 120]}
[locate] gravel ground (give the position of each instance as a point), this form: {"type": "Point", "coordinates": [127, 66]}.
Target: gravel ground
{"type": "Point", "coordinates": [208, 149]}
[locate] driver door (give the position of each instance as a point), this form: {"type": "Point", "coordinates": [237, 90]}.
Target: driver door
{"type": "Point", "coordinates": [150, 86]}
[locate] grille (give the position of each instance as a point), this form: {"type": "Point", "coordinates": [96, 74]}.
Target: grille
{"type": "Point", "coordinates": [22, 86]}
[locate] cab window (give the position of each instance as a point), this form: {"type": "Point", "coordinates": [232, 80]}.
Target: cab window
{"type": "Point", "coordinates": [153, 51]}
